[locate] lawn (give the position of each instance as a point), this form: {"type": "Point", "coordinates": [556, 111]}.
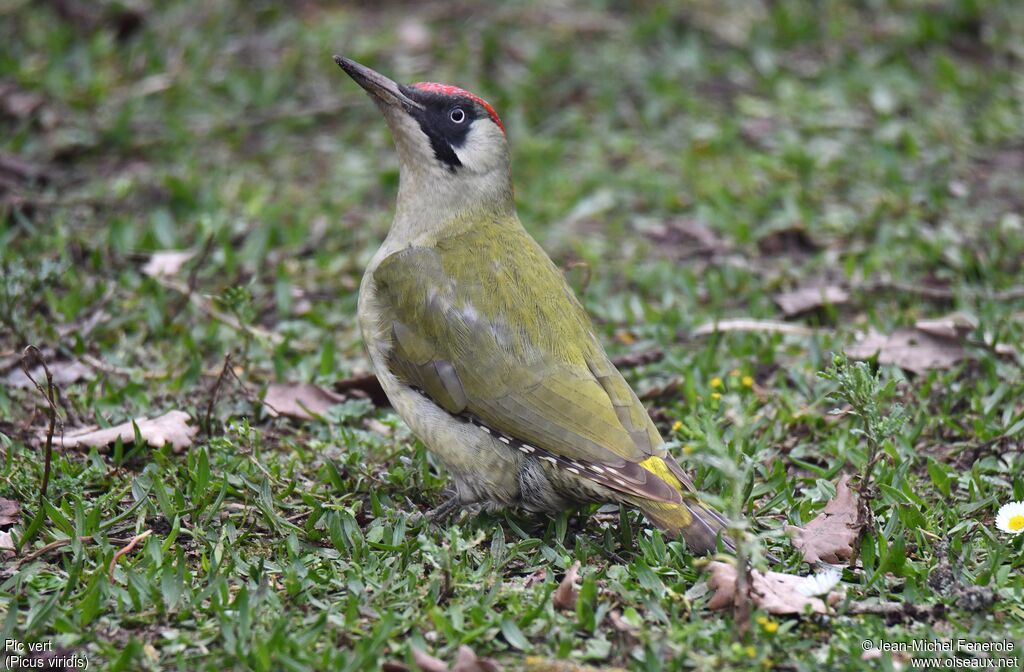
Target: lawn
{"type": "Point", "coordinates": [738, 191]}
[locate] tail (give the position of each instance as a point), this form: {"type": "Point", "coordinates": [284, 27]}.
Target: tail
{"type": "Point", "coordinates": [698, 524]}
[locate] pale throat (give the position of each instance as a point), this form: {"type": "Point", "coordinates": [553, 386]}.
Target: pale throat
{"type": "Point", "coordinates": [433, 200]}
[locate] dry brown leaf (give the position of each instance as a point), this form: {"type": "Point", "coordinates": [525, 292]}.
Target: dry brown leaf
{"type": "Point", "coordinates": [539, 664]}
{"type": "Point", "coordinates": [806, 299]}
{"type": "Point", "coordinates": [683, 238]}
{"type": "Point", "coordinates": [171, 427]}
{"type": "Point", "coordinates": [793, 240]}
{"type": "Point", "coordinates": [953, 326]}
{"type": "Point", "coordinates": [536, 578]}
{"type": "Point", "coordinates": [566, 594]}
{"type": "Point", "coordinates": [64, 373]}
{"type": "Point", "coordinates": [774, 592]}
{"type": "Point", "coordinates": [166, 263]}
{"type": "Point", "coordinates": [10, 512]}
{"type": "Point", "coordinates": [363, 384]}
{"type": "Point", "coordinates": [302, 401]}
{"type": "Point", "coordinates": [427, 662]}
{"type": "Point", "coordinates": [909, 348]}
{"type": "Point", "coordinates": [17, 102]}
{"type": "Point", "coordinates": [466, 661]}
{"type": "Point", "coordinates": [630, 633]}
{"type": "Point", "coordinates": [830, 536]}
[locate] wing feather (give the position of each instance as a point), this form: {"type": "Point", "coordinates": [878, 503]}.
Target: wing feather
{"type": "Point", "coordinates": [497, 334]}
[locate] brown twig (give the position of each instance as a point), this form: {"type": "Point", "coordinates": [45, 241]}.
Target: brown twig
{"type": "Point", "coordinates": [213, 393]}
{"type": "Point", "coordinates": [743, 603]}
{"type": "Point", "coordinates": [250, 396]}
{"type": "Point", "coordinates": [127, 549]}
{"type": "Point", "coordinates": [193, 276]}
{"type": "Point", "coordinates": [48, 394]}
{"type": "Point", "coordinates": [55, 545]}
{"type": "Point", "coordinates": [205, 306]}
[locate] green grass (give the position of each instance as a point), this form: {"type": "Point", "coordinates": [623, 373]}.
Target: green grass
{"type": "Point", "coordinates": [891, 132]}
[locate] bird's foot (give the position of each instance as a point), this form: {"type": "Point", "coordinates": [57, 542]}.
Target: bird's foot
{"type": "Point", "coordinates": [442, 513]}
{"type": "Point", "coordinates": [451, 507]}
{"type": "Point", "coordinates": [439, 514]}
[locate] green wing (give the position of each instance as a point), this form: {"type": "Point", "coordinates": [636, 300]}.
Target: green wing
{"type": "Point", "coordinates": [485, 324]}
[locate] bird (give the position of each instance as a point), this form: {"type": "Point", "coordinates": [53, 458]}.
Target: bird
{"type": "Point", "coordinates": [483, 348]}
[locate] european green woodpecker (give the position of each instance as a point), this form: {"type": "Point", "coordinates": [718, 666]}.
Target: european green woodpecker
{"type": "Point", "coordinates": [483, 348]}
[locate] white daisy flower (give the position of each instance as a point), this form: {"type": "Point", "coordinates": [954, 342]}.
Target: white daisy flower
{"type": "Point", "coordinates": [1011, 518]}
{"type": "Point", "coordinates": [822, 582]}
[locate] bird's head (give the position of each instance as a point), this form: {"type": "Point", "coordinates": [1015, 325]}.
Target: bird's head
{"type": "Point", "coordinates": [443, 133]}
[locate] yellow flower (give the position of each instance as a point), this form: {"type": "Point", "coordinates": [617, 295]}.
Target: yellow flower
{"type": "Point", "coordinates": [751, 652]}
{"type": "Point", "coordinates": [688, 449]}
{"type": "Point", "coordinates": [747, 381]}
{"type": "Point", "coordinates": [716, 395]}
{"type": "Point", "coordinates": [716, 382]}
{"type": "Point", "coordinates": [1011, 517]}
{"type": "Point", "coordinates": [768, 625]}
{"type": "Point", "coordinates": [677, 425]}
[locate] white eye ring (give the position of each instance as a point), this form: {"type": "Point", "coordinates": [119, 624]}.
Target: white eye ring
{"type": "Point", "coordinates": [457, 115]}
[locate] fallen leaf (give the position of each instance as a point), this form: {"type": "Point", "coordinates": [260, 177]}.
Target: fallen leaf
{"type": "Point", "coordinates": [540, 664]}
{"type": "Point", "coordinates": [7, 549]}
{"type": "Point", "coordinates": [363, 385]}
{"type": "Point", "coordinates": [466, 661]}
{"type": "Point", "coordinates": [953, 326]}
{"type": "Point", "coordinates": [792, 240]}
{"type": "Point", "coordinates": [17, 102]}
{"type": "Point", "coordinates": [630, 633]}
{"type": "Point", "coordinates": [566, 594]}
{"type": "Point", "coordinates": [394, 666]}
{"type": "Point", "coordinates": [10, 512]}
{"type": "Point", "coordinates": [619, 623]}
{"type": "Point", "coordinates": [166, 263]}
{"type": "Point", "coordinates": [775, 592]}
{"type": "Point", "coordinates": [64, 373]}
{"type": "Point", "coordinates": [806, 299]}
{"type": "Point", "coordinates": [376, 426]}
{"type": "Point", "coordinates": [302, 401]}
{"type": "Point", "coordinates": [758, 326]}
{"type": "Point", "coordinates": [682, 238]}
{"type": "Point", "coordinates": [909, 348]}
{"type": "Point", "coordinates": [427, 662]}
{"type": "Point", "coordinates": [536, 578]}
{"type": "Point", "coordinates": [171, 427]}
{"type": "Point", "coordinates": [830, 536]}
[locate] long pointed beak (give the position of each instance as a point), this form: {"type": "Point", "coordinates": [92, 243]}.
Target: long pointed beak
{"type": "Point", "coordinates": [380, 88]}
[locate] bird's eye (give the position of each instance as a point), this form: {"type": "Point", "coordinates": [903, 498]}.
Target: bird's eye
{"type": "Point", "coordinates": [457, 115]}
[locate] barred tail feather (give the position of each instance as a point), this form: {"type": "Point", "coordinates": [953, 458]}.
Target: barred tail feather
{"type": "Point", "coordinates": [699, 525]}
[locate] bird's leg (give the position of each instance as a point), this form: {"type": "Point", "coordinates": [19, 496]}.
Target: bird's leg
{"type": "Point", "coordinates": [438, 515]}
